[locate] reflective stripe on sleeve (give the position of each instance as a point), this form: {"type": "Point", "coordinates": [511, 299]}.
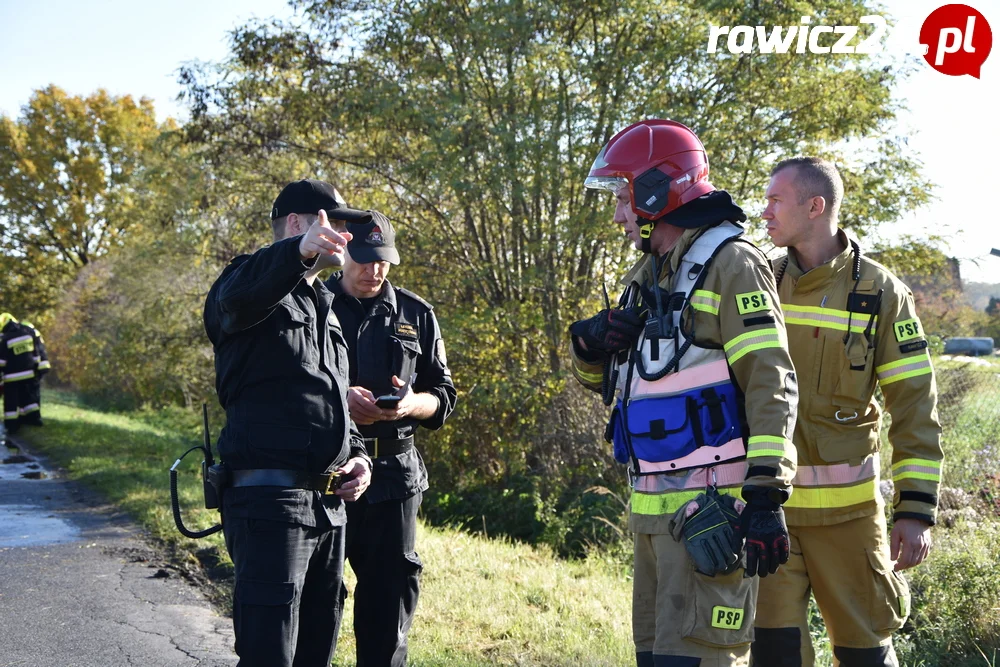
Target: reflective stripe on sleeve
{"type": "Point", "coordinates": [23, 375]}
{"type": "Point", "coordinates": [706, 301]}
{"type": "Point", "coordinates": [917, 469]}
{"type": "Point", "coordinates": [751, 341]}
{"type": "Point", "coordinates": [770, 445]}
{"type": "Point", "coordinates": [902, 369]}
{"type": "Point", "coordinates": [44, 365]}
{"type": "Point", "coordinates": [595, 378]}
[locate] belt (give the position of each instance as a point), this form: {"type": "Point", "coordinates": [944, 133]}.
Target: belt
{"type": "Point", "coordinates": [387, 446]}
{"type": "Point", "coordinates": [289, 479]}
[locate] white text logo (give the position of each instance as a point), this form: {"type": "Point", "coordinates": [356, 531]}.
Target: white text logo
{"type": "Point", "coordinates": [780, 39]}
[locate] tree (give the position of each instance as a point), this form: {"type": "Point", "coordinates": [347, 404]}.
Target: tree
{"type": "Point", "coordinates": [67, 170]}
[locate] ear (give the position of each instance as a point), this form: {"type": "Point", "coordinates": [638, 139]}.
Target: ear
{"type": "Point", "coordinates": [292, 225]}
{"type": "Point", "coordinates": [817, 207]}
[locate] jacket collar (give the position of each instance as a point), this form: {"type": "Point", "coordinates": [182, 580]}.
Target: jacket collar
{"type": "Point", "coordinates": [387, 296]}
{"type": "Point", "coordinates": [824, 274]}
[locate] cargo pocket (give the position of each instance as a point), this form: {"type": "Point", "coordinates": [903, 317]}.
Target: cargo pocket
{"type": "Point", "coordinates": [261, 609]}
{"type": "Point", "coordinates": [719, 610]}
{"type": "Point", "coordinates": [404, 353]}
{"type": "Point", "coordinates": [890, 594]}
{"type": "Point", "coordinates": [297, 334]}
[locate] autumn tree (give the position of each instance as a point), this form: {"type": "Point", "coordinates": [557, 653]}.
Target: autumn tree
{"type": "Point", "coordinates": [68, 166]}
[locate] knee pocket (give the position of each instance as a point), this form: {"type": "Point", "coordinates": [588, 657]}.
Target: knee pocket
{"type": "Point", "coordinates": [720, 610]}
{"type": "Point", "coordinates": [889, 602]}
{"type": "Point", "coordinates": [261, 607]}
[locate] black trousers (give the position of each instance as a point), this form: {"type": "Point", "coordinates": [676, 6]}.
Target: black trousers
{"type": "Point", "coordinates": [290, 592]}
{"type": "Point", "coordinates": [15, 397]}
{"type": "Point", "coordinates": [31, 408]}
{"type": "Point", "coordinates": [380, 547]}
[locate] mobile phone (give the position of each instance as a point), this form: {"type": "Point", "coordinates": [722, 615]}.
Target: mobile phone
{"type": "Point", "coordinates": [387, 402]}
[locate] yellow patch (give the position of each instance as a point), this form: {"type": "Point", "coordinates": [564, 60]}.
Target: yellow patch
{"type": "Point", "coordinates": [752, 302]}
{"type": "Point", "coordinates": [21, 348]}
{"type": "Point", "coordinates": [727, 618]}
{"type": "Point", "coordinates": [907, 330]}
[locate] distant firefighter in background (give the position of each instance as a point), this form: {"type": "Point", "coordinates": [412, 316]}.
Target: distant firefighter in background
{"type": "Point", "coordinates": [32, 413]}
{"type": "Point", "coordinates": [20, 348]}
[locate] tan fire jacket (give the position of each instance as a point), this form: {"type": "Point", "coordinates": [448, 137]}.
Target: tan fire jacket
{"type": "Point", "coordinates": [734, 310]}
{"type": "Point", "coordinates": [837, 432]}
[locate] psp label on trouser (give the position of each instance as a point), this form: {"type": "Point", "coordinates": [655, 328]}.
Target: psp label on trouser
{"type": "Point", "coordinates": [727, 618]}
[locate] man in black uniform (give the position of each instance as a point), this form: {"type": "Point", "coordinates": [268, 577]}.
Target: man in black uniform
{"type": "Point", "coordinates": [396, 349]}
{"type": "Point", "coordinates": [293, 453]}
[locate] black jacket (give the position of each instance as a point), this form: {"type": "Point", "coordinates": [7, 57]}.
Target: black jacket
{"type": "Point", "coordinates": [281, 375]}
{"type": "Point", "coordinates": [398, 336]}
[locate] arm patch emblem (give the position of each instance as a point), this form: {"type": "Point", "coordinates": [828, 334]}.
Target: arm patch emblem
{"type": "Point", "coordinates": [752, 302]}
{"type": "Point", "coordinates": [907, 330]}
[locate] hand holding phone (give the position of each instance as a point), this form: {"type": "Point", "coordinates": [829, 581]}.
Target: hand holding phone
{"type": "Point", "coordinates": [388, 402]}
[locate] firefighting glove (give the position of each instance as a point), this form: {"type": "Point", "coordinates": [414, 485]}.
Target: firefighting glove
{"type": "Point", "coordinates": [610, 330]}
{"type": "Point", "coordinates": [707, 527]}
{"type": "Point", "coordinates": [762, 524]}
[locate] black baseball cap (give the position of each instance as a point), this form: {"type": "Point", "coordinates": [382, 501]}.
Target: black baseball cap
{"type": "Point", "coordinates": [374, 238]}
{"type": "Point", "coordinates": [311, 196]}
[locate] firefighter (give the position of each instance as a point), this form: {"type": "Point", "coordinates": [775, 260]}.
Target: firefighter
{"type": "Point", "coordinates": [293, 452]}
{"type": "Point", "coordinates": [32, 414]}
{"type": "Point", "coordinates": [18, 364]}
{"type": "Point", "coordinates": [851, 327]}
{"type": "Point", "coordinates": [694, 358]}
{"type": "Point", "coordinates": [396, 352]}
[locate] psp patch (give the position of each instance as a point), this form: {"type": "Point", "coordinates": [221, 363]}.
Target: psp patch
{"type": "Point", "coordinates": [405, 330]}
{"type": "Point", "coordinates": [907, 330]}
{"type": "Point", "coordinates": [752, 302]}
{"type": "Point", "coordinates": [727, 618]}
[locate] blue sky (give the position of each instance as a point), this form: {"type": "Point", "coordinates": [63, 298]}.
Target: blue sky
{"type": "Point", "coordinates": [131, 47]}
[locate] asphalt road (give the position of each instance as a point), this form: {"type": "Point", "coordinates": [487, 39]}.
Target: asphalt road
{"type": "Point", "coordinates": [80, 588]}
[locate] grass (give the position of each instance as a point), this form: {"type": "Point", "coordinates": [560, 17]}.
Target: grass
{"type": "Point", "coordinates": [483, 602]}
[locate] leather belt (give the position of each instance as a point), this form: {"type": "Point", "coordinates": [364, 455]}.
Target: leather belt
{"type": "Point", "coordinates": [387, 446]}
{"type": "Point", "coordinates": [289, 479]}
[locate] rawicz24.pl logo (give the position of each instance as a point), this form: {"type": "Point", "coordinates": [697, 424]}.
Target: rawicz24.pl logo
{"type": "Point", "coordinates": [836, 39]}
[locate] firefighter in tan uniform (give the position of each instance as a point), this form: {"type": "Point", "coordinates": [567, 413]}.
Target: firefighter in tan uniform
{"type": "Point", "coordinates": [696, 364]}
{"type": "Point", "coordinates": [851, 324]}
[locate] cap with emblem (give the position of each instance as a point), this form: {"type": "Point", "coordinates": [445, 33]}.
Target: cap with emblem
{"type": "Point", "coordinates": [311, 196]}
{"type": "Point", "coordinates": [374, 239]}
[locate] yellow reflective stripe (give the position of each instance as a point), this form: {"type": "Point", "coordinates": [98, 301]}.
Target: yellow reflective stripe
{"type": "Point", "coordinates": [706, 301]}
{"type": "Point", "coordinates": [760, 445]}
{"type": "Point", "coordinates": [929, 476]}
{"type": "Point", "coordinates": [826, 318]}
{"type": "Point", "coordinates": [902, 369]}
{"type": "Point", "coordinates": [590, 377]}
{"type": "Point", "coordinates": [667, 503]}
{"type": "Point", "coordinates": [751, 341]}
{"type": "Point", "coordinates": [927, 463]}
{"type": "Point", "coordinates": [827, 497]}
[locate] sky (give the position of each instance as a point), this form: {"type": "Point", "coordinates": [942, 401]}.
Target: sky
{"type": "Point", "coordinates": [136, 48]}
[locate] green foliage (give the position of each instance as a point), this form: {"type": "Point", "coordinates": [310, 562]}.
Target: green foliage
{"type": "Point", "coordinates": [130, 327]}
{"type": "Point", "coordinates": [67, 170]}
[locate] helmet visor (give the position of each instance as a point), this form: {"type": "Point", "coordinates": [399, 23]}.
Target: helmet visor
{"type": "Point", "coordinates": [604, 181]}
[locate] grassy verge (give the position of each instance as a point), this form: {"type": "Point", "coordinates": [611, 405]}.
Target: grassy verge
{"type": "Point", "coordinates": [484, 602]}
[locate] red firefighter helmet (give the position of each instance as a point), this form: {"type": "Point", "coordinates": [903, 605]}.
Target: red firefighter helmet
{"type": "Point", "coordinates": [662, 162]}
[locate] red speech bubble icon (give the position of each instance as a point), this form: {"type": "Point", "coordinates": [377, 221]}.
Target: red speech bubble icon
{"type": "Point", "coordinates": [957, 40]}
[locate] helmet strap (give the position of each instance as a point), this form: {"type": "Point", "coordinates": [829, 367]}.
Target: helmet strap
{"type": "Point", "coordinates": [644, 233]}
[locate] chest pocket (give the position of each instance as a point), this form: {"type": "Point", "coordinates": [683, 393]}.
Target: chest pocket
{"type": "Point", "coordinates": [296, 334]}
{"type": "Point", "coordinates": [404, 354]}
{"type": "Point", "coordinates": [846, 373]}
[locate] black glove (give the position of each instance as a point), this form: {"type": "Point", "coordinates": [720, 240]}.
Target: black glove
{"type": "Point", "coordinates": [709, 533]}
{"type": "Point", "coordinates": [610, 330]}
{"type": "Point", "coordinates": [763, 525]}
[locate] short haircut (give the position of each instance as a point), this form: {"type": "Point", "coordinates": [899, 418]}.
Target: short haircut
{"type": "Point", "coordinates": [278, 224]}
{"type": "Point", "coordinates": [815, 176]}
